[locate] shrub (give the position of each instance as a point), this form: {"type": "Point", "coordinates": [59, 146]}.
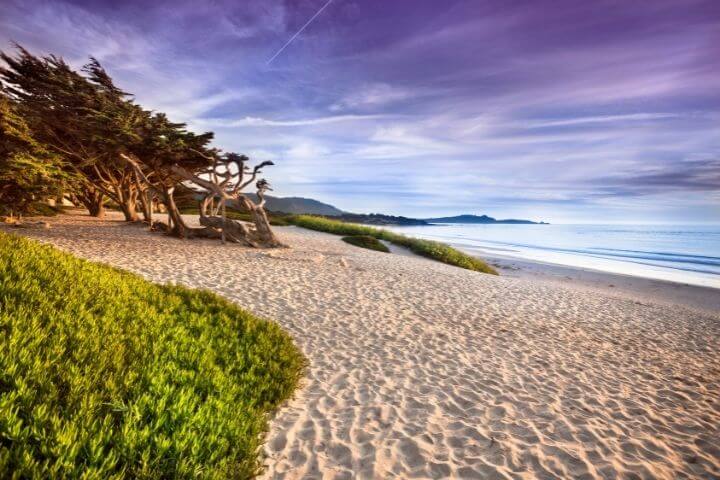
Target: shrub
{"type": "Point", "coordinates": [427, 248]}
{"type": "Point", "coordinates": [105, 375]}
{"type": "Point", "coordinates": [43, 210]}
{"type": "Point", "coordinates": [366, 241]}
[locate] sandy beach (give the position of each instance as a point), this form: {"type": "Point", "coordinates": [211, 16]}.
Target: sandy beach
{"type": "Point", "coordinates": [636, 288]}
{"type": "Point", "coordinates": [423, 370]}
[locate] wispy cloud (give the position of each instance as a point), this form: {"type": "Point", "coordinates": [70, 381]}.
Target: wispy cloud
{"type": "Point", "coordinates": [373, 96]}
{"type": "Point", "coordinates": [616, 119]}
{"type": "Point", "coordinates": [264, 122]}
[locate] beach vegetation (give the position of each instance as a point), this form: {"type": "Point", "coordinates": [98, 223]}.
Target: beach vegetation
{"type": "Point", "coordinates": [366, 241]}
{"type": "Point", "coordinates": [106, 375]}
{"type": "Point", "coordinates": [42, 209]}
{"type": "Point", "coordinates": [28, 171]}
{"type": "Point", "coordinates": [426, 248]}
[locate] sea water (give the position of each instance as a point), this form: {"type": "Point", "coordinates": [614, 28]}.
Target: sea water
{"type": "Point", "coordinates": [684, 254]}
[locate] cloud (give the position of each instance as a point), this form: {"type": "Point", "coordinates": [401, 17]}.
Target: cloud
{"type": "Point", "coordinates": [263, 122]}
{"type": "Point", "coordinates": [376, 95]}
{"type": "Point", "coordinates": [45, 25]}
{"type": "Point", "coordinates": [691, 175]}
{"type": "Point", "coordinates": [305, 151]}
{"type": "Point", "coordinates": [631, 117]}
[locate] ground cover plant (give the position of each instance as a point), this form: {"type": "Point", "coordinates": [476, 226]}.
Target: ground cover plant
{"type": "Point", "coordinates": [427, 248]}
{"type": "Point", "coordinates": [40, 209]}
{"type": "Point", "coordinates": [366, 241]}
{"type": "Point", "coordinates": [106, 375]}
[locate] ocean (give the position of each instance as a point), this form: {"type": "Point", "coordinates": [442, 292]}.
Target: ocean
{"type": "Point", "coordinates": [684, 254]}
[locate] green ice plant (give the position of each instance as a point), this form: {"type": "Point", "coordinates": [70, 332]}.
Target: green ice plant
{"type": "Point", "coordinates": [106, 375]}
{"type": "Point", "coordinates": [366, 241]}
{"type": "Point", "coordinates": [426, 248]}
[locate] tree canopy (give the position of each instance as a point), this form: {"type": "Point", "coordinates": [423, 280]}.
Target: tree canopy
{"type": "Point", "coordinates": [79, 133]}
{"type": "Point", "coordinates": [28, 171]}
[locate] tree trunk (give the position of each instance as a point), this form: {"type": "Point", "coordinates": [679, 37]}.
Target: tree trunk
{"type": "Point", "coordinates": [126, 198]}
{"type": "Point", "coordinates": [129, 210]}
{"type": "Point", "coordinates": [263, 233]}
{"type": "Point", "coordinates": [233, 231]}
{"type": "Point", "coordinates": [146, 204]}
{"type": "Point", "coordinates": [97, 209]}
{"type": "Point", "coordinates": [224, 219]}
{"type": "Point", "coordinates": [178, 228]}
{"type": "Point", "coordinates": [262, 228]}
{"type": "Point", "coordinates": [93, 200]}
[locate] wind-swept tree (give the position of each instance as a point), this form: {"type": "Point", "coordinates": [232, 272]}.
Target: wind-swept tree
{"type": "Point", "coordinates": [79, 118]}
{"type": "Point", "coordinates": [28, 171]}
{"type": "Point", "coordinates": [160, 145]}
{"type": "Point", "coordinates": [130, 155]}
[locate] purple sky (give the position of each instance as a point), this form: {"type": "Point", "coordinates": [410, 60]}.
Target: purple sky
{"type": "Point", "coordinates": [566, 111]}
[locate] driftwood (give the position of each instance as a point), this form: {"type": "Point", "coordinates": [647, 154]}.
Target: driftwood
{"type": "Point", "coordinates": [225, 186]}
{"type": "Point", "coordinates": [232, 230]}
{"type": "Point", "coordinates": [220, 186]}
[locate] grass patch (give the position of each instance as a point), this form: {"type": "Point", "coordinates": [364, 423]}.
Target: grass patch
{"type": "Point", "coordinates": [105, 375]}
{"type": "Point", "coordinates": [427, 248]}
{"type": "Point", "coordinates": [275, 219]}
{"type": "Point", "coordinates": [366, 241]}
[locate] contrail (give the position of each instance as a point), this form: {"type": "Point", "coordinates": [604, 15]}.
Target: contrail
{"type": "Point", "coordinates": [298, 32]}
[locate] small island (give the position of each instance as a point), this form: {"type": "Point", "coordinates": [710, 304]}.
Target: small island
{"type": "Point", "coordinates": [481, 219]}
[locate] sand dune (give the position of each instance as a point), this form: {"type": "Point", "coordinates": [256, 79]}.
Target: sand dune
{"type": "Point", "coordinates": [422, 370]}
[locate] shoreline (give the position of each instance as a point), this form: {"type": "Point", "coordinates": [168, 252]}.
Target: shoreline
{"type": "Point", "coordinates": [618, 285]}
{"type": "Point", "coordinates": [706, 299]}
{"type": "Point", "coordinates": [635, 253]}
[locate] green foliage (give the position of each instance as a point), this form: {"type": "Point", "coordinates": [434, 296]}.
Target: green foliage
{"type": "Point", "coordinates": [426, 248]}
{"type": "Point", "coordinates": [277, 220]}
{"type": "Point", "coordinates": [86, 120]}
{"type": "Point", "coordinates": [73, 115]}
{"type": "Point", "coordinates": [366, 241]}
{"type": "Point", "coordinates": [40, 209]}
{"type": "Point", "coordinates": [105, 375]}
{"type": "Point", "coordinates": [27, 170]}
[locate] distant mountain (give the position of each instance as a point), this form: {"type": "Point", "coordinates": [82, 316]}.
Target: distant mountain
{"type": "Point", "coordinates": [300, 205]}
{"type": "Point", "coordinates": [379, 219]}
{"type": "Point", "coordinates": [297, 205]}
{"type": "Point", "coordinates": [479, 219]}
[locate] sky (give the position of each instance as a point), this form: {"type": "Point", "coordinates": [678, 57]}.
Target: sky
{"type": "Point", "coordinates": [563, 111]}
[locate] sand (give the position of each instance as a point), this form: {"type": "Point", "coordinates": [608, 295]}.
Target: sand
{"type": "Point", "coordinates": [613, 284]}
{"type": "Point", "coordinates": [423, 370]}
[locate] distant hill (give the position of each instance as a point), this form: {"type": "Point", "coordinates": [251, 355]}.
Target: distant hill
{"type": "Point", "coordinates": [479, 219]}
{"type": "Point", "coordinates": [379, 219]}
{"type": "Point", "coordinates": [300, 205]}
{"type": "Point", "coordinates": [297, 205]}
